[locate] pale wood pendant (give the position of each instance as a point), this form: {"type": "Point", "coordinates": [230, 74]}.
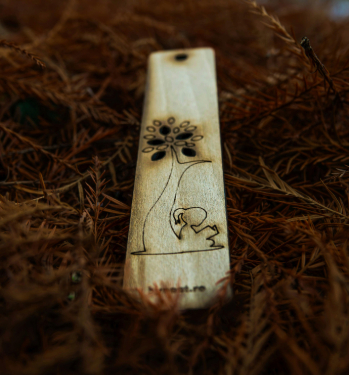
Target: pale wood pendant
{"type": "Point", "coordinates": [178, 237]}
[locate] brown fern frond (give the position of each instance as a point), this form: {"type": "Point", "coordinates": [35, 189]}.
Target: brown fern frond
{"type": "Point", "coordinates": [274, 24]}
{"type": "Point", "coordinates": [14, 47]}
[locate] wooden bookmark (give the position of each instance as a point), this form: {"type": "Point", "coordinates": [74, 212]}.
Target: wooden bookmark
{"type": "Point", "coordinates": [178, 238]}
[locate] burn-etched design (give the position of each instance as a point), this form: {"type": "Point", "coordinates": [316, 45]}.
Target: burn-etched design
{"type": "Point", "coordinates": [177, 228]}
{"type": "Point", "coordinates": [162, 134]}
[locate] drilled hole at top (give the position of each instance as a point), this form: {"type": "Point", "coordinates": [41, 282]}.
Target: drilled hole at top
{"type": "Point", "coordinates": [181, 57]}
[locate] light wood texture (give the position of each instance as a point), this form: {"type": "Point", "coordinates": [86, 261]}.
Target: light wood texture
{"type": "Point", "coordinates": [178, 235]}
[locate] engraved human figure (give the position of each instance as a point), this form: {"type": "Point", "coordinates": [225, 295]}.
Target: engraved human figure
{"type": "Point", "coordinates": [189, 227]}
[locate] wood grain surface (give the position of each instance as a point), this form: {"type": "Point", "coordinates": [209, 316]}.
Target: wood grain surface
{"type": "Point", "coordinates": [178, 239]}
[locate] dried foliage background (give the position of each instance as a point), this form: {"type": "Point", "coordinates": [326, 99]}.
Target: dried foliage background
{"type": "Point", "coordinates": [68, 146]}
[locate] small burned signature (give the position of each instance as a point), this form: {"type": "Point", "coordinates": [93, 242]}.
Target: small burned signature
{"type": "Point", "coordinates": [180, 289]}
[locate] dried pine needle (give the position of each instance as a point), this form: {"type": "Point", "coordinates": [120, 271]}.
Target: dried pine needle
{"type": "Point", "coordinates": [68, 148]}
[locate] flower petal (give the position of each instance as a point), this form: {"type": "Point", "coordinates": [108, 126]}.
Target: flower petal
{"type": "Point", "coordinates": [188, 152]}
{"type": "Point", "coordinates": [156, 142]}
{"type": "Point", "coordinates": [184, 124]}
{"type": "Point", "coordinates": [148, 149]}
{"type": "Point", "coordinates": [185, 135]}
{"type": "Point", "coordinates": [197, 138]}
{"type": "Point", "coordinates": [158, 155]}
{"type": "Point", "coordinates": [164, 130]}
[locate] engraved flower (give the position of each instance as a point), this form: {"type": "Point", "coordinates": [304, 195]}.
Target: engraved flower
{"type": "Point", "coordinates": [163, 135]}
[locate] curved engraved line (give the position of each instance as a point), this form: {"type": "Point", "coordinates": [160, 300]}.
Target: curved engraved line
{"type": "Point", "coordinates": [179, 252]}
{"type": "Point", "coordinates": [146, 218]}
{"type": "Point", "coordinates": [185, 209]}
{"type": "Point", "coordinates": [194, 162]}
